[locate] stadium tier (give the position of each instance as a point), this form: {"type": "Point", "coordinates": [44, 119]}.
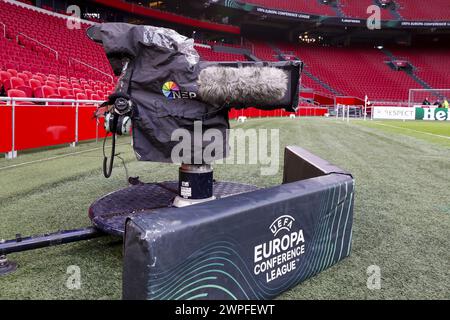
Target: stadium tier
{"type": "Point", "coordinates": [358, 9]}
{"type": "Point", "coordinates": [404, 9]}
{"type": "Point", "coordinates": [355, 71]}
{"type": "Point", "coordinates": [264, 51]}
{"type": "Point", "coordinates": [423, 10]}
{"type": "Point", "coordinates": [56, 51]}
{"type": "Point", "coordinates": [432, 65]}
{"type": "Point", "coordinates": [306, 6]}
{"type": "Point", "coordinates": [208, 54]}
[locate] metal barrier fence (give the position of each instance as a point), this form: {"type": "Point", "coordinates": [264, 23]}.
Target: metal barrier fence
{"type": "Point", "coordinates": [27, 123]}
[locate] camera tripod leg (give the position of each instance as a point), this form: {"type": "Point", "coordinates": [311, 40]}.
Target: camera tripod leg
{"type": "Point", "coordinates": [41, 241]}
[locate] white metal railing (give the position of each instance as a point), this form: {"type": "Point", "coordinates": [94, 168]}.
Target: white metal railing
{"type": "Point", "coordinates": [11, 103]}
{"type": "Point", "coordinates": [389, 103]}
{"type": "Point", "coordinates": [38, 42]}
{"type": "Point", "coordinates": [92, 67]}
{"type": "Point", "coordinates": [4, 29]}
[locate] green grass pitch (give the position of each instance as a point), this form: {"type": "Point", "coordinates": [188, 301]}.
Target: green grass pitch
{"type": "Point", "coordinates": [401, 223]}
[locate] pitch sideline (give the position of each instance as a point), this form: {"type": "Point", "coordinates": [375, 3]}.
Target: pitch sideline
{"type": "Point", "coordinates": [428, 133]}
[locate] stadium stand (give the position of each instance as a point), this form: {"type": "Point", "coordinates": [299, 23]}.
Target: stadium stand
{"type": "Point", "coordinates": [309, 6]}
{"type": "Point", "coordinates": [208, 54]}
{"type": "Point", "coordinates": [431, 64]}
{"type": "Point", "coordinates": [358, 9]}
{"type": "Point", "coordinates": [355, 71]}
{"type": "Point", "coordinates": [407, 9]}
{"type": "Point", "coordinates": [51, 58]}
{"type": "Point", "coordinates": [422, 10]}
{"type": "Point", "coordinates": [264, 52]}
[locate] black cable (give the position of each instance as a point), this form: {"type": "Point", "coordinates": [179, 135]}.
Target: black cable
{"type": "Point", "coordinates": [107, 171]}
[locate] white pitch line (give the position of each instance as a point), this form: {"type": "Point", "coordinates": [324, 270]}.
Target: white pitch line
{"type": "Point", "coordinates": [54, 158]}
{"type": "Point", "coordinates": [430, 134]}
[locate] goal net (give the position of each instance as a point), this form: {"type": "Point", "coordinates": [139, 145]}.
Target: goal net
{"type": "Point", "coordinates": [418, 96]}
{"type": "Point", "coordinates": [345, 112]}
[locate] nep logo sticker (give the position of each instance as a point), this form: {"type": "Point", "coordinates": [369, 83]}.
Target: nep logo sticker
{"type": "Point", "coordinates": [172, 91]}
{"type": "Point", "coordinates": [169, 88]}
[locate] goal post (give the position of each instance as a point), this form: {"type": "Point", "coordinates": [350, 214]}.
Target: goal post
{"type": "Point", "coordinates": [417, 96]}
{"type": "Point", "coordinates": [345, 112]}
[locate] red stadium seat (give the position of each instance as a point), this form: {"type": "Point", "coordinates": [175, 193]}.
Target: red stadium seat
{"type": "Point", "coordinates": [52, 77]}
{"type": "Point", "coordinates": [76, 91]}
{"type": "Point", "coordinates": [34, 83]}
{"type": "Point", "coordinates": [5, 75]}
{"type": "Point", "coordinates": [43, 76]}
{"type": "Point", "coordinates": [15, 93]}
{"type": "Point", "coordinates": [81, 96]}
{"type": "Point", "coordinates": [63, 91]}
{"type": "Point", "coordinates": [23, 76]}
{"type": "Point", "coordinates": [65, 85]}
{"type": "Point", "coordinates": [101, 94]}
{"type": "Point", "coordinates": [39, 78]}
{"type": "Point", "coordinates": [52, 84]}
{"type": "Point", "coordinates": [13, 83]}
{"type": "Point", "coordinates": [28, 73]}
{"type": "Point", "coordinates": [16, 81]}
{"type": "Point", "coordinates": [13, 72]}
{"type": "Point", "coordinates": [44, 92]}
{"type": "Point", "coordinates": [89, 93]}
{"type": "Point", "coordinates": [95, 97]}
{"type": "Point", "coordinates": [27, 89]}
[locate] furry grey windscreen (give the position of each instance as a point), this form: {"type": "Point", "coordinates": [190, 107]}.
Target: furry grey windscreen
{"type": "Point", "coordinates": [242, 86]}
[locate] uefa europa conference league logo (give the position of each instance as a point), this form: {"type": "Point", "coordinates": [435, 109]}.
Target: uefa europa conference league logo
{"type": "Point", "coordinates": [279, 256]}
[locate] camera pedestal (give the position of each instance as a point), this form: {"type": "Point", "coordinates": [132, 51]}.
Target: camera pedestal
{"type": "Point", "coordinates": [195, 185]}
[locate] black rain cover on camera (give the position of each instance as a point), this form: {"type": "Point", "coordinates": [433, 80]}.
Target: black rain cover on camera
{"type": "Point", "coordinates": [171, 88]}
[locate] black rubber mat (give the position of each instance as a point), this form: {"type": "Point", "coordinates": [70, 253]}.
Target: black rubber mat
{"type": "Point", "coordinates": [110, 212]}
